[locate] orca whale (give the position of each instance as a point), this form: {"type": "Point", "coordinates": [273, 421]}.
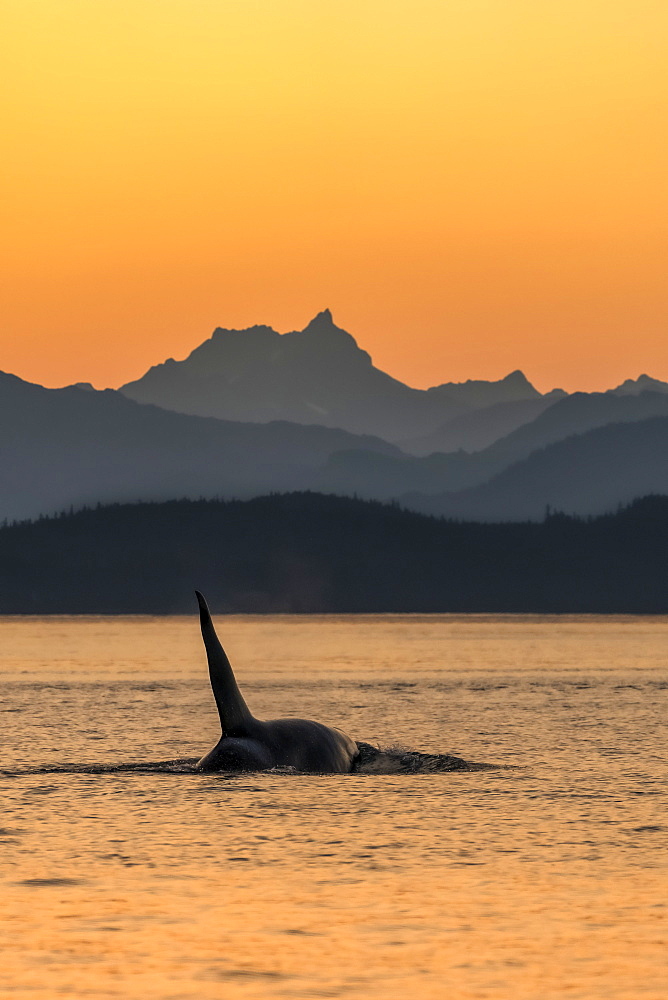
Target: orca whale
{"type": "Point", "coordinates": [250, 744]}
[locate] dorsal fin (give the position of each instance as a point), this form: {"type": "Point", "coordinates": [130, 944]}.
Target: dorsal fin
{"type": "Point", "coordinates": [232, 709]}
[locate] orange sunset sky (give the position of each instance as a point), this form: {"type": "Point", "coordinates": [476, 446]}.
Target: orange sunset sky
{"type": "Point", "coordinates": [471, 186]}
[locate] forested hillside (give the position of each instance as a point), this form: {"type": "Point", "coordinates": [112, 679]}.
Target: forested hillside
{"type": "Point", "coordinates": [306, 552]}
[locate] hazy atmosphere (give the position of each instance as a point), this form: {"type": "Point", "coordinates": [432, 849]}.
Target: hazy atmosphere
{"type": "Point", "coordinates": [473, 186]}
{"type": "Point", "coordinates": [334, 500]}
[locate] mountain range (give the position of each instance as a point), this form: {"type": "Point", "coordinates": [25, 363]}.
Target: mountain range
{"type": "Point", "coordinates": [317, 375]}
{"type": "Point", "coordinates": [579, 475]}
{"type": "Point", "coordinates": [252, 411]}
{"type": "Point", "coordinates": [381, 476]}
{"type": "Point", "coordinates": [68, 447]}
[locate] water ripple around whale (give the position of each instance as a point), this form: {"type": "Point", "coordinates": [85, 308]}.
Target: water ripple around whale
{"type": "Point", "coordinates": [372, 760]}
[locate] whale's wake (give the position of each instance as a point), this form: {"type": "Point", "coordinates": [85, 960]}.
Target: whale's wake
{"type": "Point", "coordinates": [372, 760]}
{"type": "Point", "coordinates": [185, 765]}
{"type": "Point", "coordinates": [401, 760]}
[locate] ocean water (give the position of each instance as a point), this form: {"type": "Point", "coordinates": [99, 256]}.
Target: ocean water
{"type": "Point", "coordinates": [126, 875]}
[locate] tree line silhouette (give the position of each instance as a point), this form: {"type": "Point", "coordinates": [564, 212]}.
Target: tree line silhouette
{"type": "Point", "coordinates": [309, 552]}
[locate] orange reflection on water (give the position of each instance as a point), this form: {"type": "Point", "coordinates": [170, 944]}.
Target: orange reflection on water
{"type": "Point", "coordinates": [545, 881]}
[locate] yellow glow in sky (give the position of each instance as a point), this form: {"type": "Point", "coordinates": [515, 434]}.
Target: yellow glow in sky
{"type": "Point", "coordinates": [471, 186]}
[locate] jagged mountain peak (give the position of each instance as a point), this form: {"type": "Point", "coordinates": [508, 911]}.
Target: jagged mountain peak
{"type": "Point", "coordinates": [321, 320]}
{"type": "Point", "coordinates": [321, 332]}
{"type": "Point", "coordinates": [517, 377]}
{"type": "Point", "coordinates": [221, 332]}
{"type": "Point", "coordinates": [644, 383]}
{"type": "Point", "coordinates": [481, 392]}
{"type": "Point", "coordinates": [315, 375]}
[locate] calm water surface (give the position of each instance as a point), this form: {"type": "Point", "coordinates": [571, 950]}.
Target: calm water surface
{"type": "Point", "coordinates": [543, 880]}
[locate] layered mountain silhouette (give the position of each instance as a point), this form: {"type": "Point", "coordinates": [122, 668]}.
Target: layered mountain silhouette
{"type": "Point", "coordinates": [477, 429]}
{"type": "Point", "coordinates": [62, 447]}
{"type": "Point", "coordinates": [644, 383]}
{"type": "Point", "coordinates": [584, 474]}
{"type": "Point", "coordinates": [313, 376]}
{"type": "Point", "coordinates": [576, 414]}
{"type": "Point", "coordinates": [476, 449]}
{"type": "Point", "coordinates": [383, 476]}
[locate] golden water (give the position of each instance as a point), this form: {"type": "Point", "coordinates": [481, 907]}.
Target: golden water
{"type": "Point", "coordinates": [543, 881]}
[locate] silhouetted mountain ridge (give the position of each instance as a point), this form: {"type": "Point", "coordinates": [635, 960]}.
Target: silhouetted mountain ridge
{"type": "Point", "coordinates": [583, 474]}
{"type": "Point", "coordinates": [644, 383]}
{"type": "Point", "coordinates": [477, 393]}
{"type": "Point", "coordinates": [77, 445]}
{"type": "Point", "coordinates": [73, 446]}
{"type": "Point", "coordinates": [315, 375]}
{"type": "Point", "coordinates": [478, 429]}
{"type": "Point", "coordinates": [384, 476]}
